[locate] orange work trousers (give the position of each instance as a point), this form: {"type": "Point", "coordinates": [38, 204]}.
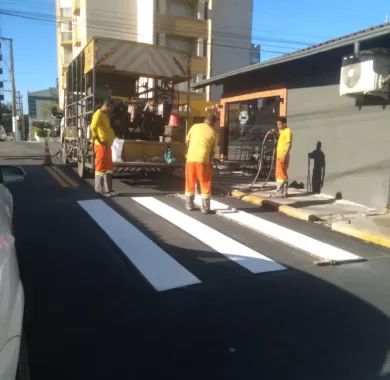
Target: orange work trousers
{"type": "Point", "coordinates": [281, 169]}
{"type": "Point", "coordinates": [103, 159]}
{"type": "Point", "coordinates": [198, 172]}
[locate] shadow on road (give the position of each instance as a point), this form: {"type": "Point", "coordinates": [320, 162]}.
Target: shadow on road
{"type": "Point", "coordinates": [90, 315]}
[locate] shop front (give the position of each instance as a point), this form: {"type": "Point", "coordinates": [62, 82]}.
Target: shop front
{"type": "Point", "coordinates": [245, 120]}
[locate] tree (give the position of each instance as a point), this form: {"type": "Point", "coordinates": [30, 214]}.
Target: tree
{"type": "Point", "coordinates": [6, 117]}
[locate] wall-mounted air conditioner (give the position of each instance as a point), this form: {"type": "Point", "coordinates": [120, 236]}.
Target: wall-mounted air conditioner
{"type": "Point", "coordinates": [366, 73]}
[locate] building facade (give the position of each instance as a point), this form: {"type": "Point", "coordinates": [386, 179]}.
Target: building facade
{"type": "Point", "coordinates": [305, 87]}
{"type": "Point", "coordinates": [217, 34]}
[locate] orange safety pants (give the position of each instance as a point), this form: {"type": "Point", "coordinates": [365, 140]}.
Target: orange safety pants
{"type": "Point", "coordinates": [103, 160]}
{"type": "Point", "coordinates": [281, 170]}
{"type": "Point", "coordinates": [198, 172]}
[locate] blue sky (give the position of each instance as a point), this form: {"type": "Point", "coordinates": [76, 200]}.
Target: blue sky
{"type": "Point", "coordinates": [279, 26]}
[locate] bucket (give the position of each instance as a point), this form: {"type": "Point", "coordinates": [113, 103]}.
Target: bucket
{"type": "Point", "coordinates": [174, 120]}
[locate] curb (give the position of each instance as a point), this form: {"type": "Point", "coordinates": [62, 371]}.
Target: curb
{"type": "Point", "coordinates": [287, 210]}
{"type": "Point", "coordinates": [345, 229]}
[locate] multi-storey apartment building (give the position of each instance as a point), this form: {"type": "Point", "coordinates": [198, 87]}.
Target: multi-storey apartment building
{"type": "Point", "coordinates": [217, 34]}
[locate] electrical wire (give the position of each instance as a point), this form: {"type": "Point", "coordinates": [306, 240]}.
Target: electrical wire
{"type": "Point", "coordinates": [126, 28]}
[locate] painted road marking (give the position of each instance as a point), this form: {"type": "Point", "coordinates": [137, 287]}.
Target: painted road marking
{"type": "Point", "coordinates": [315, 248]}
{"type": "Point", "coordinates": [157, 267]}
{"type": "Point", "coordinates": [251, 260]}
{"type": "Point", "coordinates": [65, 177]}
{"type": "Point", "coordinates": [57, 178]}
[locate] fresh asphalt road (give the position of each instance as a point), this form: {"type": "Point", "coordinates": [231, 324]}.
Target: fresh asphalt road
{"type": "Point", "coordinates": [91, 314]}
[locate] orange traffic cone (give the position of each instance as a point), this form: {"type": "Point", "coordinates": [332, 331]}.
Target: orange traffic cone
{"type": "Point", "coordinates": [47, 158]}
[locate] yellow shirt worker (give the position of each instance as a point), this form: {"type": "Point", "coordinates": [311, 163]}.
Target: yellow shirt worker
{"type": "Point", "coordinates": [103, 137]}
{"type": "Point", "coordinates": [202, 141]}
{"type": "Point", "coordinates": [283, 156]}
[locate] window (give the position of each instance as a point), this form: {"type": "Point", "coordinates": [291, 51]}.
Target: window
{"type": "Point", "coordinates": [66, 12]}
{"type": "Point", "coordinates": [206, 10]}
{"type": "Point", "coordinates": [248, 121]}
{"type": "Point", "coordinates": [181, 9]}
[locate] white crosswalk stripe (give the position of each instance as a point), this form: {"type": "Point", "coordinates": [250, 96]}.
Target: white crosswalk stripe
{"type": "Point", "coordinates": [244, 256]}
{"type": "Point", "coordinates": [157, 267]}
{"type": "Point", "coordinates": [313, 247]}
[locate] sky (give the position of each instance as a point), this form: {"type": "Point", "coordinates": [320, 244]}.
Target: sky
{"type": "Point", "coordinates": [279, 26]}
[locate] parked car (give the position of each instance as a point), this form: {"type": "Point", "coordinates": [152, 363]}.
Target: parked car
{"type": "Point", "coordinates": [13, 353]}
{"type": "Point", "coordinates": [3, 134]}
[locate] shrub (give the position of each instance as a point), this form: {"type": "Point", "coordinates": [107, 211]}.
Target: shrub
{"type": "Point", "coordinates": [41, 132]}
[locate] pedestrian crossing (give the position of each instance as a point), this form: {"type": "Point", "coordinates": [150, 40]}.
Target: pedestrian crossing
{"type": "Point", "coordinates": [253, 261]}
{"type": "Point", "coordinates": [304, 243]}
{"type": "Point", "coordinates": [156, 266]}
{"type": "Point", "coordinates": [164, 273]}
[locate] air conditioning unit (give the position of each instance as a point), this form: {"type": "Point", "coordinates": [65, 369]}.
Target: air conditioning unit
{"type": "Point", "coordinates": [366, 73]}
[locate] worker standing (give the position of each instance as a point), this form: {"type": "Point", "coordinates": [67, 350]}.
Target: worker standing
{"type": "Point", "coordinates": [202, 142]}
{"type": "Point", "coordinates": [103, 138]}
{"type": "Point", "coordinates": [283, 156]}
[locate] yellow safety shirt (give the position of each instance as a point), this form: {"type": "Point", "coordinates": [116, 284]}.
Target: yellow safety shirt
{"type": "Point", "coordinates": [285, 138]}
{"type": "Point", "coordinates": [202, 140]}
{"type": "Point", "coordinates": [100, 127]}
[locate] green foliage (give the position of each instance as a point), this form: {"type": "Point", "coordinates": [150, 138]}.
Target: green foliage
{"type": "Point", "coordinates": [42, 124]}
{"type": "Point", "coordinates": [41, 132]}
{"type": "Point", "coordinates": [6, 117]}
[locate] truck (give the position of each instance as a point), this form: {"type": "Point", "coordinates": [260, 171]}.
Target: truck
{"type": "Point", "coordinates": [143, 80]}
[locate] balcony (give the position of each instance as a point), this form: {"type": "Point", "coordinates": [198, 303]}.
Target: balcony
{"type": "Point", "coordinates": [76, 7]}
{"type": "Point", "coordinates": [65, 14]}
{"type": "Point", "coordinates": [76, 37]}
{"type": "Point", "coordinates": [66, 38]}
{"type": "Point", "coordinates": [181, 26]}
{"type": "Point", "coordinates": [198, 65]}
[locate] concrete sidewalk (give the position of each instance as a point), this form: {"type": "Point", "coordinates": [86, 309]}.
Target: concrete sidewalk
{"type": "Point", "coordinates": [346, 217]}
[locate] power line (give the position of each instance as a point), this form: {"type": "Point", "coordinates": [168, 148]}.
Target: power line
{"type": "Point", "coordinates": [115, 29]}
{"type": "Point", "coordinates": [126, 27]}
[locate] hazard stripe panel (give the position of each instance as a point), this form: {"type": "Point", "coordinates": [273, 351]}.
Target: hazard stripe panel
{"type": "Point", "coordinates": [242, 255]}
{"type": "Point", "coordinates": [313, 247]}
{"type": "Point", "coordinates": [155, 265]}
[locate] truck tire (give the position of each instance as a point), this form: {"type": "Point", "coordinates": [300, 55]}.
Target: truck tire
{"type": "Point", "coordinates": [81, 169]}
{"type": "Point", "coordinates": [64, 154]}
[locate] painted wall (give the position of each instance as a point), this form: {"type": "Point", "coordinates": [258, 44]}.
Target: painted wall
{"type": "Point", "coordinates": [118, 20]}
{"type": "Point", "coordinates": [231, 25]}
{"type": "Point", "coordinates": [355, 142]}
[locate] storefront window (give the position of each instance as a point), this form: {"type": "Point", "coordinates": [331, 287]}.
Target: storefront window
{"type": "Point", "coordinates": [248, 122]}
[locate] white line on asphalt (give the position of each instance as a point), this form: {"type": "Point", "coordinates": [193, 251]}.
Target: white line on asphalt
{"type": "Point", "coordinates": [158, 268]}
{"type": "Point", "coordinates": [313, 247]}
{"type": "Point", "coordinates": [233, 250]}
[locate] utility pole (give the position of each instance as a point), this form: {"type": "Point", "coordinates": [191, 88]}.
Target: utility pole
{"type": "Point", "coordinates": [13, 89]}
{"type": "Point", "coordinates": [20, 113]}
{"type": "Point", "coordinates": [189, 70]}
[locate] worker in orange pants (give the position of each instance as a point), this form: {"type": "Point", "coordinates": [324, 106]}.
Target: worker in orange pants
{"type": "Point", "coordinates": [103, 138]}
{"type": "Point", "coordinates": [283, 156]}
{"type": "Point", "coordinates": [202, 140]}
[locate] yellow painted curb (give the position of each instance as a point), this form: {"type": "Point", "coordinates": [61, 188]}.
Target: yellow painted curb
{"type": "Point", "coordinates": [296, 213]}
{"type": "Point", "coordinates": [363, 235]}
{"type": "Point", "coordinates": [253, 199]}
{"type": "Point", "coordinates": [284, 209]}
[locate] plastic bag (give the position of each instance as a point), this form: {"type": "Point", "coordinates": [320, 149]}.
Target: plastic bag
{"type": "Point", "coordinates": [117, 148]}
{"type": "Point", "coordinates": [169, 157]}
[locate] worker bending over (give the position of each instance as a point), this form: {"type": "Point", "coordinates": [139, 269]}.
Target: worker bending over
{"type": "Point", "coordinates": [202, 141]}
{"type": "Point", "coordinates": [283, 156]}
{"type": "Point", "coordinates": [103, 138]}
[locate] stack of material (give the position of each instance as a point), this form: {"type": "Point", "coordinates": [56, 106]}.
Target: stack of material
{"type": "Point", "coordinates": [172, 133]}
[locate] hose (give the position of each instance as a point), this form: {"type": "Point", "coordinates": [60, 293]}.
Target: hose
{"type": "Point", "coordinates": [261, 160]}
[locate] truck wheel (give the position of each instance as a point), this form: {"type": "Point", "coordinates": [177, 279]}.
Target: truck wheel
{"type": "Point", "coordinates": [81, 169]}
{"type": "Point", "coordinates": [64, 155]}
